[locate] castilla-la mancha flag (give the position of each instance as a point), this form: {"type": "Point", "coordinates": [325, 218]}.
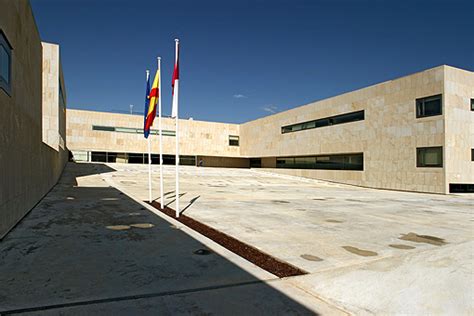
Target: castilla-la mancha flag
{"type": "Point", "coordinates": [150, 110]}
{"type": "Point", "coordinates": [175, 83]}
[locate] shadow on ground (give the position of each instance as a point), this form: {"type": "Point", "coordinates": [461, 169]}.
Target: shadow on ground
{"type": "Point", "coordinates": [92, 249]}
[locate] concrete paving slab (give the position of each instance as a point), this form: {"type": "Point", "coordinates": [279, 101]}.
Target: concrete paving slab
{"type": "Point", "coordinates": [66, 254]}
{"type": "Point", "coordinates": [253, 299]}
{"type": "Point", "coordinates": [429, 282]}
{"type": "Point", "coordinates": [344, 227]}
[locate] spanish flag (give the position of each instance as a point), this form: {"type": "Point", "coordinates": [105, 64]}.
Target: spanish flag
{"type": "Point", "coordinates": [150, 107]}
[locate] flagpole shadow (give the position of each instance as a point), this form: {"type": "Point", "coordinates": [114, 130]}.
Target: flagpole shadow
{"type": "Point", "coordinates": [189, 205]}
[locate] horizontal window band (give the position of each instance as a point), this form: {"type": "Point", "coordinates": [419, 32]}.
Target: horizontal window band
{"type": "Point", "coordinates": [354, 161]}
{"type": "Point", "coordinates": [326, 121]}
{"type": "Point", "coordinates": [130, 130]}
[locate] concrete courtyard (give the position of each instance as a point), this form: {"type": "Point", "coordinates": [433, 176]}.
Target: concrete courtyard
{"type": "Point", "coordinates": [92, 246]}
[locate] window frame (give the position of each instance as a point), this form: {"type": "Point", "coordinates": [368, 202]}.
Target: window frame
{"type": "Point", "coordinates": [420, 150]}
{"type": "Point", "coordinates": [423, 100]}
{"type": "Point", "coordinates": [4, 85]}
{"type": "Point", "coordinates": [234, 140]}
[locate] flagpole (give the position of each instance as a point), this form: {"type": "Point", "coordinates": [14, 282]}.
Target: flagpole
{"type": "Point", "coordinates": [177, 133]}
{"type": "Point", "coordinates": [149, 155]}
{"type": "Point", "coordinates": [149, 169]}
{"type": "Point", "coordinates": [162, 199]}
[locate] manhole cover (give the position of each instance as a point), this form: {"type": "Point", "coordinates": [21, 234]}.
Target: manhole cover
{"type": "Point", "coordinates": [202, 252]}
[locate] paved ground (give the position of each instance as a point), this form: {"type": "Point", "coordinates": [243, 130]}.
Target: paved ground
{"type": "Point", "coordinates": [368, 251]}
{"type": "Point", "coordinates": [67, 256]}
{"type": "Point", "coordinates": [87, 248]}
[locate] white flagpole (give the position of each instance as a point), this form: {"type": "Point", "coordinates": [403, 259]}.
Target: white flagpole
{"type": "Point", "coordinates": [162, 199]}
{"type": "Point", "coordinates": [149, 169]}
{"type": "Point", "coordinates": [149, 154]}
{"type": "Point", "coordinates": [177, 131]}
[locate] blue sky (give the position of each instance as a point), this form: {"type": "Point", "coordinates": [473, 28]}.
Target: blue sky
{"type": "Point", "coordinates": [244, 59]}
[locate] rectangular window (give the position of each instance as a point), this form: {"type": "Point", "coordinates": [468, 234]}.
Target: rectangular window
{"type": "Point", "coordinates": [429, 157]}
{"type": "Point", "coordinates": [429, 106]}
{"type": "Point", "coordinates": [461, 188]}
{"type": "Point", "coordinates": [328, 162]}
{"type": "Point", "coordinates": [233, 140]}
{"type": "Point", "coordinates": [286, 162]}
{"type": "Point", "coordinates": [472, 154]}
{"type": "Point", "coordinates": [472, 104]}
{"type": "Point", "coordinates": [130, 130]}
{"type": "Point", "coordinates": [5, 64]}
{"type": "Point", "coordinates": [255, 162]}
{"type": "Point", "coordinates": [99, 156]}
{"type": "Point", "coordinates": [187, 160]}
{"type": "Point", "coordinates": [327, 121]}
{"type": "Point", "coordinates": [103, 128]}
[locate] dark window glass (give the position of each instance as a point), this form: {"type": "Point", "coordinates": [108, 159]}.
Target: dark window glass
{"type": "Point", "coordinates": [429, 106]}
{"type": "Point", "coordinates": [305, 162]}
{"type": "Point", "coordinates": [333, 120]}
{"type": "Point", "coordinates": [309, 125]}
{"type": "Point", "coordinates": [472, 104]}
{"type": "Point", "coordinates": [472, 154]}
{"type": "Point", "coordinates": [130, 130]}
{"type": "Point", "coordinates": [322, 122]}
{"type": "Point", "coordinates": [255, 162]}
{"type": "Point", "coordinates": [111, 157]}
{"type": "Point", "coordinates": [285, 162]}
{"type": "Point", "coordinates": [5, 63]}
{"type": "Point", "coordinates": [233, 140]}
{"type": "Point", "coordinates": [461, 188]}
{"type": "Point", "coordinates": [187, 160]}
{"type": "Point", "coordinates": [183, 160]}
{"type": "Point", "coordinates": [429, 157]}
{"type": "Point", "coordinates": [328, 162]}
{"type": "Point", "coordinates": [103, 128]}
{"type": "Point", "coordinates": [137, 158]}
{"type": "Point", "coordinates": [98, 156]}
{"type": "Point", "coordinates": [169, 159]}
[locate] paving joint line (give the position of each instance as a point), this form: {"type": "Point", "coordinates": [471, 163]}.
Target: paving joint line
{"type": "Point", "coordinates": [125, 298]}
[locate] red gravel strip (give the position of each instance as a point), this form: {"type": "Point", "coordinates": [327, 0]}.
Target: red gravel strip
{"type": "Point", "coordinates": [261, 259]}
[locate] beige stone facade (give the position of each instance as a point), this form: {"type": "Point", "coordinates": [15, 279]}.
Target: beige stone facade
{"type": "Point", "coordinates": [197, 138]}
{"type": "Point", "coordinates": [459, 126]}
{"type": "Point", "coordinates": [54, 98]}
{"type": "Point", "coordinates": [388, 136]}
{"type": "Point", "coordinates": [28, 167]}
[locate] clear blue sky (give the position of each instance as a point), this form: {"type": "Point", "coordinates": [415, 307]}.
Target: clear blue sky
{"type": "Point", "coordinates": [243, 59]}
